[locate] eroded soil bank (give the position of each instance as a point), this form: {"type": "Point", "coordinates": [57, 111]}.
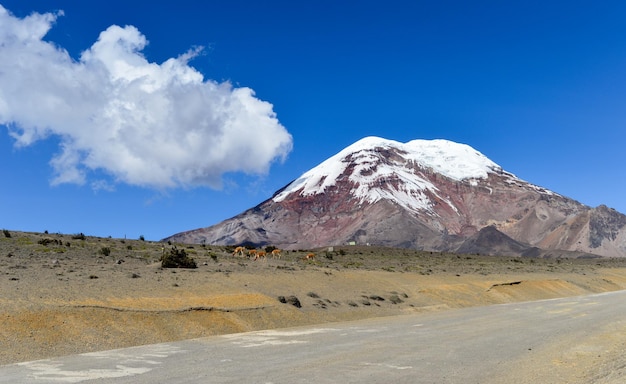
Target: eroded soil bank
{"type": "Point", "coordinates": [63, 321]}
{"type": "Point", "coordinates": [64, 296]}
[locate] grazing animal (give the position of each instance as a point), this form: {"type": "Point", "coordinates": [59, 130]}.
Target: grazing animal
{"type": "Point", "coordinates": [310, 256]}
{"type": "Point", "coordinates": [239, 250]}
{"type": "Point", "coordinates": [251, 253]}
{"type": "Point", "coordinates": [276, 254]}
{"type": "Point", "coordinates": [260, 254]}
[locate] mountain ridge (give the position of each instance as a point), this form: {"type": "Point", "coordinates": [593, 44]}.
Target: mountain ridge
{"type": "Point", "coordinates": [423, 194]}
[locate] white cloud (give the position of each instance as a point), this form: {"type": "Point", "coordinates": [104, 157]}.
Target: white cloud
{"type": "Point", "coordinates": [143, 123]}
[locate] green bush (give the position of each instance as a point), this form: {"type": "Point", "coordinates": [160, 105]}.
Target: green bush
{"type": "Point", "coordinates": [177, 258]}
{"type": "Point", "coordinates": [80, 236]}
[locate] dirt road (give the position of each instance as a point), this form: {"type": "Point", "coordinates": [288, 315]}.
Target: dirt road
{"type": "Point", "coordinates": [553, 341]}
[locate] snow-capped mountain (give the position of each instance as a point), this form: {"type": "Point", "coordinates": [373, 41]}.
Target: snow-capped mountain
{"type": "Point", "coordinates": [371, 166]}
{"type": "Point", "coordinates": [424, 194]}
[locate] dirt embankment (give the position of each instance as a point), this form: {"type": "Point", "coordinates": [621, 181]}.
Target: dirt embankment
{"type": "Point", "coordinates": [67, 295]}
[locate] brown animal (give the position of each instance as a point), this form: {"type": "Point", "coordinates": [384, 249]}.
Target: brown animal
{"type": "Point", "coordinates": [276, 253]}
{"type": "Point", "coordinates": [310, 256]}
{"type": "Point", "coordinates": [239, 251]}
{"type": "Point", "coordinates": [260, 254]}
{"type": "Point", "coordinates": [251, 253]}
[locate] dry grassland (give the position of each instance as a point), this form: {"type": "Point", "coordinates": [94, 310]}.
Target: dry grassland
{"type": "Point", "coordinates": [66, 294]}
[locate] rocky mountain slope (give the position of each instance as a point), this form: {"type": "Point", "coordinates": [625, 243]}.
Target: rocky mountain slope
{"type": "Point", "coordinates": [424, 194]}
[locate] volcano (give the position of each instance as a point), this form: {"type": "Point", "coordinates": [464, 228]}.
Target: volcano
{"type": "Point", "coordinates": [432, 195]}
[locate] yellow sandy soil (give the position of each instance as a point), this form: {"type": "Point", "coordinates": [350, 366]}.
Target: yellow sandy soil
{"type": "Point", "coordinates": [68, 296]}
{"type": "Point", "coordinates": [63, 321]}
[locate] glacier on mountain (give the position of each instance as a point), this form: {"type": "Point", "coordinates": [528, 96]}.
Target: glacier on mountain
{"type": "Point", "coordinates": [426, 194]}
{"type": "Point", "coordinates": [453, 160]}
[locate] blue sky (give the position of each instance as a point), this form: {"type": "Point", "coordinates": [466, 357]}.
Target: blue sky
{"type": "Point", "coordinates": [185, 115]}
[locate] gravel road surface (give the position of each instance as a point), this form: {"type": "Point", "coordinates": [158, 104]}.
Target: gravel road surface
{"type": "Point", "coordinates": [521, 342]}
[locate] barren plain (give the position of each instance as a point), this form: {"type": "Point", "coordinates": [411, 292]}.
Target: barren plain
{"type": "Point", "coordinates": [66, 294]}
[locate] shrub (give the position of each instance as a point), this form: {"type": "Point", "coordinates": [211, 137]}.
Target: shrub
{"type": "Point", "coordinates": [79, 236]}
{"type": "Point", "coordinates": [6, 233]}
{"type": "Point", "coordinates": [290, 300]}
{"type": "Point", "coordinates": [106, 251]}
{"type": "Point", "coordinates": [45, 241]}
{"type": "Point", "coordinates": [142, 238]}
{"type": "Point", "coordinates": [177, 258]}
{"type": "Point", "coordinates": [294, 301]}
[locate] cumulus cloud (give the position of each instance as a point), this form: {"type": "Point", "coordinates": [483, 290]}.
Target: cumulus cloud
{"type": "Point", "coordinates": [142, 123]}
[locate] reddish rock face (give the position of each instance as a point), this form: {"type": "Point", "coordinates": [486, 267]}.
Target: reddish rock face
{"type": "Point", "coordinates": [431, 195]}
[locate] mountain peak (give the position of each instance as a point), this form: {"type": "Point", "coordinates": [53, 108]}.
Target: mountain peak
{"type": "Point", "coordinates": [424, 194]}
{"type": "Point", "coordinates": [379, 168]}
